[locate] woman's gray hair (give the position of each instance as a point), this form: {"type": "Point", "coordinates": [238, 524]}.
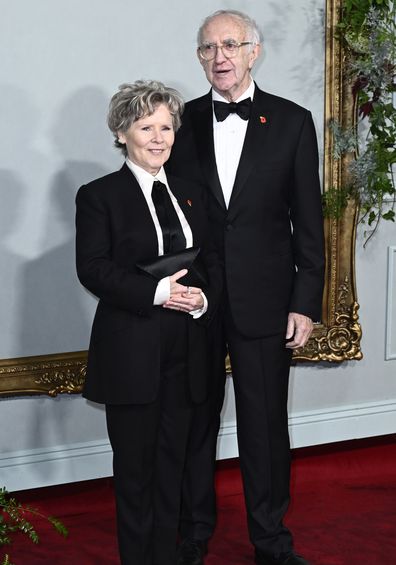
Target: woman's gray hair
{"type": "Point", "coordinates": [253, 32]}
{"type": "Point", "coordinates": [136, 100]}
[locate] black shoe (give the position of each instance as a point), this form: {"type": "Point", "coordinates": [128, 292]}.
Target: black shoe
{"type": "Point", "coordinates": [191, 552]}
{"type": "Point", "coordinates": [282, 559]}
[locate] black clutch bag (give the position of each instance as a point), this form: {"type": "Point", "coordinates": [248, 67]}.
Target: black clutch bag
{"type": "Point", "coordinates": [165, 265]}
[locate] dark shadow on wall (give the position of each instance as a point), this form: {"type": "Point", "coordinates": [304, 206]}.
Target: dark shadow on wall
{"type": "Point", "coordinates": [275, 27]}
{"type": "Point", "coordinates": [55, 310]}
{"type": "Point", "coordinates": [57, 307]}
{"type": "Point", "coordinates": [308, 74]}
{"type": "Point", "coordinates": [11, 195]}
{"type": "Point", "coordinates": [19, 162]}
{"type": "Point", "coordinates": [55, 318]}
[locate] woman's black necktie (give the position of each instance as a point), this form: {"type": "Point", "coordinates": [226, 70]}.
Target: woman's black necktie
{"type": "Point", "coordinates": [173, 236]}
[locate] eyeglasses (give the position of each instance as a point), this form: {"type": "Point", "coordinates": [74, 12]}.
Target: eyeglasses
{"type": "Point", "coordinates": [230, 49]}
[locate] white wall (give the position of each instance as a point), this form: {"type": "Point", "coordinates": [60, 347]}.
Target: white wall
{"type": "Point", "coordinates": [60, 63]}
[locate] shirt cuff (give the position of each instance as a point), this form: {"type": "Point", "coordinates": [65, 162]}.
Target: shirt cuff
{"type": "Point", "coordinates": [162, 293]}
{"type": "Point", "coordinates": [201, 311]}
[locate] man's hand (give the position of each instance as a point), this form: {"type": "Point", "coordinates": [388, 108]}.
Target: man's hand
{"type": "Point", "coordinates": [299, 328]}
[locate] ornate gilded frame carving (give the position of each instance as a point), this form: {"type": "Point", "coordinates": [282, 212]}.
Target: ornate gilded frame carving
{"type": "Point", "coordinates": [43, 374]}
{"type": "Point", "coordinates": [336, 339]}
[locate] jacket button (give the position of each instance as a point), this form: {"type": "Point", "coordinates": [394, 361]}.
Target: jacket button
{"type": "Point", "coordinates": [229, 227]}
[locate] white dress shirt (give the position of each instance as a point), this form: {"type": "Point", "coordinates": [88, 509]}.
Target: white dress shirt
{"type": "Point", "coordinates": [229, 136]}
{"type": "Point", "coordinates": [145, 181]}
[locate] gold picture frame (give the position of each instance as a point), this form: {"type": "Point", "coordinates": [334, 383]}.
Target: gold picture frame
{"type": "Point", "coordinates": [336, 339]}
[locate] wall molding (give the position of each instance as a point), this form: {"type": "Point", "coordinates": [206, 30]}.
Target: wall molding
{"type": "Point", "coordinates": [35, 468]}
{"type": "Point", "coordinates": [91, 460]}
{"type": "Point", "coordinates": [390, 323]}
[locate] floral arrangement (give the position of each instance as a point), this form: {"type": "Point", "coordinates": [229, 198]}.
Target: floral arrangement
{"type": "Point", "coordinates": [367, 33]}
{"type": "Point", "coordinates": [13, 519]}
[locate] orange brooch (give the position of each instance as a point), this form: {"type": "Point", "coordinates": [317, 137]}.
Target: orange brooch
{"type": "Point", "coordinates": [263, 119]}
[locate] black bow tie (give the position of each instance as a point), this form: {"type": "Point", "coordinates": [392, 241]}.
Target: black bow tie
{"type": "Point", "coordinates": [223, 109]}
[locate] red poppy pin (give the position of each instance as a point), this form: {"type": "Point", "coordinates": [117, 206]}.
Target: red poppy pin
{"type": "Point", "coordinates": [189, 202]}
{"type": "Point", "coordinates": [263, 119]}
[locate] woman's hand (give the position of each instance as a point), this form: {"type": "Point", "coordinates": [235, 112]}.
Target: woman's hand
{"type": "Point", "coordinates": [183, 298]}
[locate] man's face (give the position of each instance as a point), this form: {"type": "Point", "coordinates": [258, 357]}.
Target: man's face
{"type": "Point", "coordinates": [229, 77]}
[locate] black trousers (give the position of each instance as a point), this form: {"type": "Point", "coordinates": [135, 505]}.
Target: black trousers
{"type": "Point", "coordinates": [148, 443]}
{"type": "Point", "coordinates": [260, 371]}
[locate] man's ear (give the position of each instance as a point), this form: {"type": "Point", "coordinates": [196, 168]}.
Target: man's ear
{"type": "Point", "coordinates": [200, 58]}
{"type": "Point", "coordinates": [254, 54]}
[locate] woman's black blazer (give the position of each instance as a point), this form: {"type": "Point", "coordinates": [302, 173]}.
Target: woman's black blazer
{"type": "Point", "coordinates": [114, 231]}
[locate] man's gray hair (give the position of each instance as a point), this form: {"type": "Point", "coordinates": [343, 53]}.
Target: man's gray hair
{"type": "Point", "coordinates": [136, 100]}
{"type": "Point", "coordinates": [253, 32]}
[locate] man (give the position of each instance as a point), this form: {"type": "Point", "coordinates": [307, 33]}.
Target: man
{"type": "Point", "coordinates": [260, 167]}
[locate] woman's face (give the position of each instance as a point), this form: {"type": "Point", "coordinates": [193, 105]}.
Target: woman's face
{"type": "Point", "coordinates": [149, 140]}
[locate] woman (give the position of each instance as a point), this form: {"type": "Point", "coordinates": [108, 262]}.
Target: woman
{"type": "Point", "coordinates": [148, 356]}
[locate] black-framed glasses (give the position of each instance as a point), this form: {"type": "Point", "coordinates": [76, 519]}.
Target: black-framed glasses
{"type": "Point", "coordinates": [230, 49]}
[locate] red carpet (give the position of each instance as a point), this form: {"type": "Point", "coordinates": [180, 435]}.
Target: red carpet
{"type": "Point", "coordinates": [343, 512]}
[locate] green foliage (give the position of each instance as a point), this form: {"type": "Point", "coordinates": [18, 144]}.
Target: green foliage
{"type": "Point", "coordinates": [335, 201]}
{"type": "Point", "coordinates": [13, 519]}
{"type": "Point", "coordinates": [367, 32]}
{"type": "Point", "coordinates": [355, 11]}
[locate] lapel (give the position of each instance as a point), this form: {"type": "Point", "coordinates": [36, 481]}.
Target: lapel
{"type": "Point", "coordinates": [255, 145]}
{"type": "Point", "coordinates": [132, 190]}
{"type": "Point", "coordinates": [134, 205]}
{"type": "Point", "coordinates": [186, 200]}
{"type": "Point", "coordinates": [202, 122]}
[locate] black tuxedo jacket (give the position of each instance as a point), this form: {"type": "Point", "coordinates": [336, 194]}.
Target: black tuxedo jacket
{"type": "Point", "coordinates": [115, 231]}
{"type": "Point", "coordinates": [271, 235]}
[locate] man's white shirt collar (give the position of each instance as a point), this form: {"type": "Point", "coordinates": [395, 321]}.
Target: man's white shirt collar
{"type": "Point", "coordinates": [249, 93]}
